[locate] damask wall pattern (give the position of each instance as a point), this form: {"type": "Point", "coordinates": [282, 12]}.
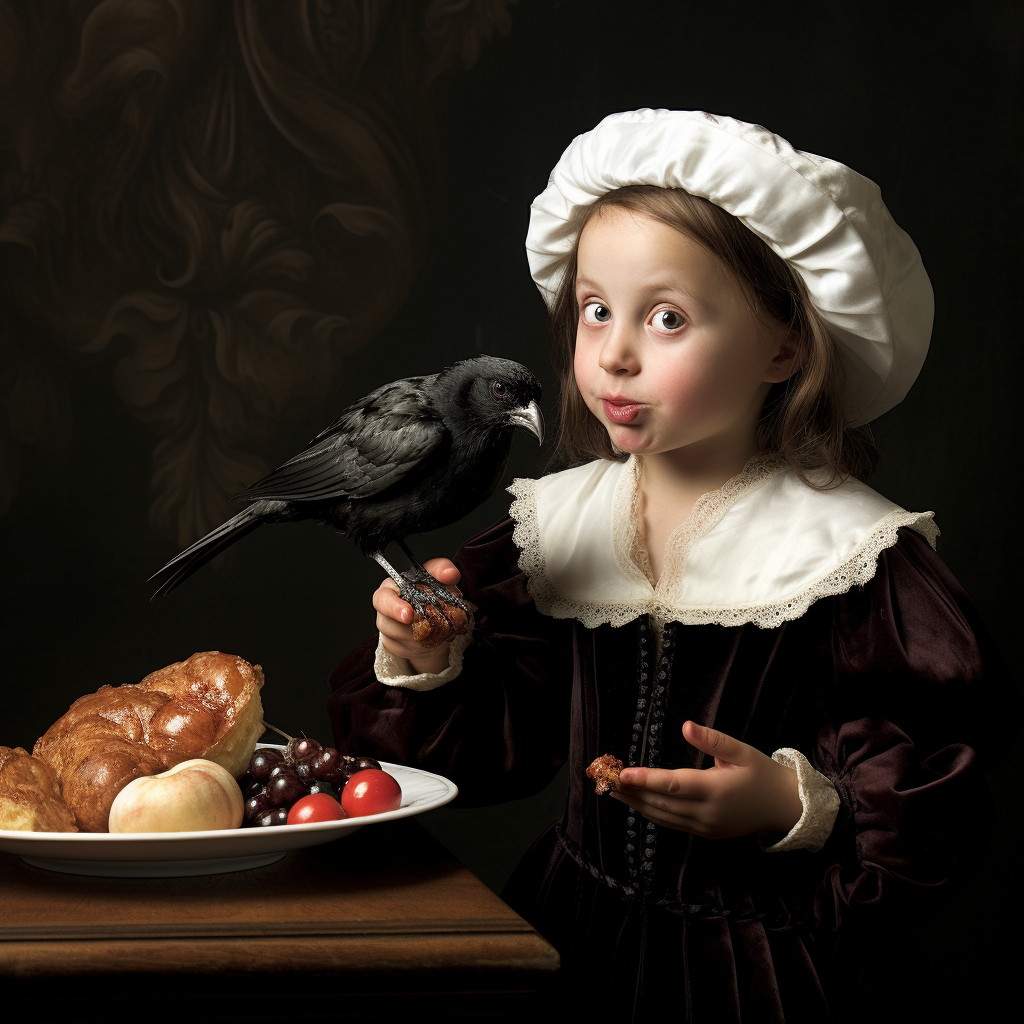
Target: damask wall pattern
{"type": "Point", "coordinates": [220, 199]}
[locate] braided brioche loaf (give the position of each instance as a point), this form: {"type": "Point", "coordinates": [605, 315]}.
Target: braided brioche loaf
{"type": "Point", "coordinates": [206, 707]}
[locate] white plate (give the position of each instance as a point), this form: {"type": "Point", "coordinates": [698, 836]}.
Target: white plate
{"type": "Point", "coordinates": [166, 854]}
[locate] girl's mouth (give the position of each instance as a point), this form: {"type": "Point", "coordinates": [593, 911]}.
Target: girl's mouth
{"type": "Point", "coordinates": [621, 412]}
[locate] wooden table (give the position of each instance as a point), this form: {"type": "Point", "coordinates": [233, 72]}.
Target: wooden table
{"type": "Point", "coordinates": [384, 925]}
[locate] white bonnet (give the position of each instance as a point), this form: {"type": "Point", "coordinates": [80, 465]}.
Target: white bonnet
{"type": "Point", "coordinates": [863, 273]}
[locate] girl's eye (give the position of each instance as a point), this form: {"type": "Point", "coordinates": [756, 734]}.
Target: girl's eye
{"type": "Point", "coordinates": [595, 313]}
{"type": "Point", "coordinates": [668, 320]}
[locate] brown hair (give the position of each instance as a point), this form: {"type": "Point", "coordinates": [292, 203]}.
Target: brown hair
{"type": "Point", "coordinates": [802, 420]}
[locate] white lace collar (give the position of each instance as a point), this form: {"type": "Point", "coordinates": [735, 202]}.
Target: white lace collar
{"type": "Point", "coordinates": [761, 550]}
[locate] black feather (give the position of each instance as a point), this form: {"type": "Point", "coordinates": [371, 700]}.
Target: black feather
{"type": "Point", "coordinates": [373, 444]}
{"type": "Point", "coordinates": [411, 456]}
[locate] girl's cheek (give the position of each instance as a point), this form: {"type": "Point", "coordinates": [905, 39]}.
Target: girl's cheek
{"type": "Point", "coordinates": [690, 393]}
{"type": "Point", "coordinates": [580, 369]}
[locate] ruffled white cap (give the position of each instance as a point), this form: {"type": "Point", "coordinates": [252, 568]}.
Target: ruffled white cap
{"type": "Point", "coordinates": [862, 272]}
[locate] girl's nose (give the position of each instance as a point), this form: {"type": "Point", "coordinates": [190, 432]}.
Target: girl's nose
{"type": "Point", "coordinates": [618, 353]}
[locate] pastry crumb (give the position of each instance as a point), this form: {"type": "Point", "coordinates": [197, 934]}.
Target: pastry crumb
{"type": "Point", "coordinates": [604, 770]}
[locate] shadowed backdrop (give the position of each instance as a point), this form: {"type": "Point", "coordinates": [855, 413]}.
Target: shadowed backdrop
{"type": "Point", "coordinates": [221, 223]}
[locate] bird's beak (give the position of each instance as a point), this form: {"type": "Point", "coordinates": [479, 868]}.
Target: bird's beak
{"type": "Point", "coordinates": [530, 417]}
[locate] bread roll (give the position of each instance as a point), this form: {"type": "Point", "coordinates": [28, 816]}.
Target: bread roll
{"type": "Point", "coordinates": [30, 799]}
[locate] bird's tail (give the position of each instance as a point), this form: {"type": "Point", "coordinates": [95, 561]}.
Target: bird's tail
{"type": "Point", "coordinates": [179, 568]}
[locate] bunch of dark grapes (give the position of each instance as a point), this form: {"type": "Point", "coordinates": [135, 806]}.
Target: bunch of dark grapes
{"type": "Point", "coordinates": [277, 778]}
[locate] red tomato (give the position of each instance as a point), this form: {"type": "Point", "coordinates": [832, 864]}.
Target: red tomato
{"type": "Point", "coordinates": [371, 791]}
{"type": "Point", "coordinates": [315, 807]}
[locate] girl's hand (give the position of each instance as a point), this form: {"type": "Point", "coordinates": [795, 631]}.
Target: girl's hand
{"type": "Point", "coordinates": [394, 619]}
{"type": "Point", "coordinates": [746, 791]}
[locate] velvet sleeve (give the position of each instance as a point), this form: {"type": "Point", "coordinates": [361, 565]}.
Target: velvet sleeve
{"type": "Point", "coordinates": [500, 729]}
{"type": "Point", "coordinates": [918, 706]}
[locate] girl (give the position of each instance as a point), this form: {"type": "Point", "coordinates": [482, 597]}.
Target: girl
{"type": "Point", "coordinates": [711, 593]}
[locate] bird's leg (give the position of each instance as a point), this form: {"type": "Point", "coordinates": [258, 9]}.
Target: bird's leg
{"type": "Point", "coordinates": [417, 574]}
{"type": "Point", "coordinates": [408, 591]}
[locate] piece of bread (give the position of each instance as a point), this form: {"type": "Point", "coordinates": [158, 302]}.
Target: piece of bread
{"type": "Point", "coordinates": [30, 799]}
{"type": "Point", "coordinates": [206, 707]}
{"type": "Point", "coordinates": [604, 770]}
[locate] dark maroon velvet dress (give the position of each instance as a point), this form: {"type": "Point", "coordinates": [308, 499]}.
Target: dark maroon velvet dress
{"type": "Point", "coordinates": [893, 691]}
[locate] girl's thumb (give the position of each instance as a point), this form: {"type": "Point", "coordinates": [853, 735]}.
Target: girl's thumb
{"type": "Point", "coordinates": [720, 745]}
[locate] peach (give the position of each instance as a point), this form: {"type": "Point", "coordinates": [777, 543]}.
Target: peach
{"type": "Point", "coordinates": [193, 796]}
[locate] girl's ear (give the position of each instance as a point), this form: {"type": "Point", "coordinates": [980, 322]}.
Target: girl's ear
{"type": "Point", "coordinates": [787, 357]}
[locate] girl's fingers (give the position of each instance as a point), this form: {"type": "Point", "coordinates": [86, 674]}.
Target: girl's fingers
{"type": "Point", "coordinates": [685, 783]}
{"type": "Point", "coordinates": [388, 604]}
{"type": "Point", "coordinates": [393, 629]}
{"type": "Point", "coordinates": [443, 569]}
{"type": "Point", "coordinates": [719, 745]}
{"type": "Point", "coordinates": [667, 806]}
{"type": "Point", "coordinates": [677, 814]}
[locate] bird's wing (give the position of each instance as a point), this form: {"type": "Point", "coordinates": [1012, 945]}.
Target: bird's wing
{"type": "Point", "coordinates": [408, 392]}
{"type": "Point", "coordinates": [373, 444]}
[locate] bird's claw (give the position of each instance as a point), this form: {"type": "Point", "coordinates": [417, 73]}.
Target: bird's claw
{"type": "Point", "coordinates": [419, 600]}
{"type": "Point", "coordinates": [436, 594]}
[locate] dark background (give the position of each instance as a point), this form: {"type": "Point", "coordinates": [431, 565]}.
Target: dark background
{"type": "Point", "coordinates": [923, 99]}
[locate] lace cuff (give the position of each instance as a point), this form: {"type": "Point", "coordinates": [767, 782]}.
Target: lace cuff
{"type": "Point", "coordinates": [821, 805]}
{"type": "Point", "coordinates": [395, 671]}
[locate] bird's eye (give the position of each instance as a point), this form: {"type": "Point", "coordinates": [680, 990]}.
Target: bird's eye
{"type": "Point", "coordinates": [499, 389]}
{"type": "Point", "coordinates": [595, 313]}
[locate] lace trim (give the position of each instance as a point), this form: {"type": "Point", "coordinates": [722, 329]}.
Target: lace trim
{"type": "Point", "coordinates": [820, 807]}
{"type": "Point", "coordinates": [705, 515]}
{"type": "Point", "coordinates": [627, 526]}
{"type": "Point", "coordinates": [394, 671]}
{"type": "Point", "coordinates": [627, 537]}
{"type": "Point", "coordinates": [638, 553]}
{"type": "Point", "coordinates": [708, 512]}
{"type": "Point", "coordinates": [526, 537]}
{"type": "Point", "coordinates": [859, 569]}
{"type": "Point", "coordinates": [855, 572]}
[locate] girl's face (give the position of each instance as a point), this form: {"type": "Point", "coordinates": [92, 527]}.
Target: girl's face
{"type": "Point", "coordinates": [667, 352]}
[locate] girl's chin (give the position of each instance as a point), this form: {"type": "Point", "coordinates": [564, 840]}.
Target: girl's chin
{"type": "Point", "coordinates": [635, 442]}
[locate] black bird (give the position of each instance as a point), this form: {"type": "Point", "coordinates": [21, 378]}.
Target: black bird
{"type": "Point", "coordinates": [412, 456]}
